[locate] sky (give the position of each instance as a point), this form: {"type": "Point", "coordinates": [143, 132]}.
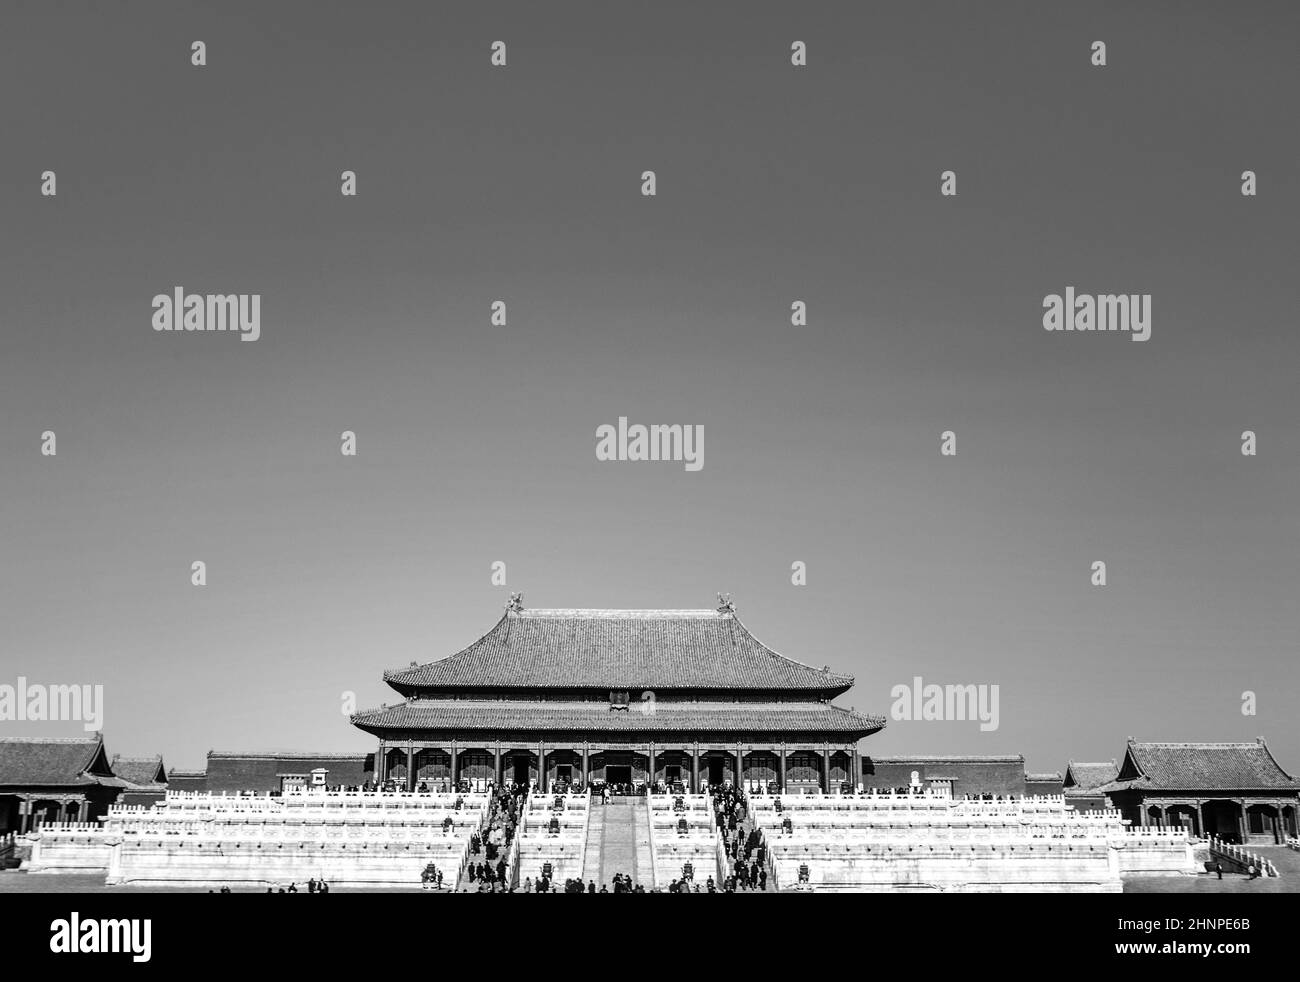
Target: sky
{"type": "Point", "coordinates": [475, 442]}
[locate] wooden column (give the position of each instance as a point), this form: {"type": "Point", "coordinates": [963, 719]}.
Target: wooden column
{"type": "Point", "coordinates": [695, 768]}
{"type": "Point", "coordinates": [541, 765]}
{"type": "Point", "coordinates": [782, 767]}
{"type": "Point", "coordinates": [1200, 819]}
{"type": "Point", "coordinates": [455, 761]}
{"type": "Point", "coordinates": [410, 765]}
{"type": "Point", "coordinates": [381, 764]}
{"type": "Point", "coordinates": [586, 764]}
{"type": "Point", "coordinates": [650, 767]}
{"type": "Point", "coordinates": [496, 765]}
{"type": "Point", "coordinates": [826, 767]}
{"type": "Point", "coordinates": [856, 777]}
{"type": "Point", "coordinates": [740, 767]}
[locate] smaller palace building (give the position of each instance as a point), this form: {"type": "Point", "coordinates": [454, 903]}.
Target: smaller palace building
{"type": "Point", "coordinates": [619, 696]}
{"type": "Point", "coordinates": [1236, 791]}
{"type": "Point", "coordinates": [54, 779]}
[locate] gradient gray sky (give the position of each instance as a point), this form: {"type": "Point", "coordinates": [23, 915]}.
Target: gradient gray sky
{"type": "Point", "coordinates": [476, 443]}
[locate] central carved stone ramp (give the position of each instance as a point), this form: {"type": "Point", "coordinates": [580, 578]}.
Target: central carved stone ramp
{"type": "Point", "coordinates": [595, 836]}
{"type": "Point", "coordinates": [645, 874]}
{"type": "Point", "coordinates": [618, 844]}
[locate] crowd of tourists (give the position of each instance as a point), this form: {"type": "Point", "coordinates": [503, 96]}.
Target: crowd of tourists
{"type": "Point", "coordinates": [622, 884]}
{"type": "Point", "coordinates": [487, 875]}
{"type": "Point", "coordinates": [436, 786]}
{"type": "Point", "coordinates": [313, 886]}
{"type": "Point", "coordinates": [741, 839]}
{"type": "Point", "coordinates": [490, 874]}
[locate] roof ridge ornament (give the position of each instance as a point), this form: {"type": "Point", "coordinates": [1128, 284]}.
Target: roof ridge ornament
{"type": "Point", "coordinates": [516, 603]}
{"type": "Point", "coordinates": [725, 605]}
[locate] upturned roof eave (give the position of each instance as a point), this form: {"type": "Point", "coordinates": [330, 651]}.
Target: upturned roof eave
{"type": "Point", "coordinates": [387, 719]}
{"type": "Point", "coordinates": [1145, 784]}
{"type": "Point", "coordinates": [836, 686]}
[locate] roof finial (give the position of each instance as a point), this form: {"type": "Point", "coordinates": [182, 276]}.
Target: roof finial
{"type": "Point", "coordinates": [515, 603]}
{"type": "Point", "coordinates": [725, 606]}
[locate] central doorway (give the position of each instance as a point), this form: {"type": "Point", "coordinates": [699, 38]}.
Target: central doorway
{"type": "Point", "coordinates": [618, 774]}
{"type": "Point", "coordinates": [521, 770]}
{"type": "Point", "coordinates": [716, 771]}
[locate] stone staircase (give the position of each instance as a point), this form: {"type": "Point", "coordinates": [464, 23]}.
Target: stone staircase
{"type": "Point", "coordinates": [619, 842]}
{"type": "Point", "coordinates": [645, 870]}
{"type": "Point", "coordinates": [595, 841]}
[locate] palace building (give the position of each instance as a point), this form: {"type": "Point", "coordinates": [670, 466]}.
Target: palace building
{"type": "Point", "coordinates": [54, 779]}
{"type": "Point", "coordinates": [1235, 791]}
{"type": "Point", "coordinates": [620, 696]}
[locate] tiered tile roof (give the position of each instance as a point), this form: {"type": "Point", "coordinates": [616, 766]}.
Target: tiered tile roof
{"type": "Point", "coordinates": [55, 762]}
{"type": "Point", "coordinates": [141, 773]}
{"type": "Point", "coordinates": [1201, 766]}
{"type": "Point", "coordinates": [1085, 776]}
{"type": "Point", "coordinates": [618, 649]}
{"type": "Point", "coordinates": [678, 717]}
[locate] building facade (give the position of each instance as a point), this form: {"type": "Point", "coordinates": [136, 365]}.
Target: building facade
{"type": "Point", "coordinates": [958, 774]}
{"type": "Point", "coordinates": [1236, 791]}
{"type": "Point", "coordinates": [1082, 781]}
{"type": "Point", "coordinates": [54, 779]}
{"type": "Point", "coordinates": [144, 779]}
{"type": "Point", "coordinates": [276, 771]}
{"type": "Point", "coordinates": [623, 697]}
